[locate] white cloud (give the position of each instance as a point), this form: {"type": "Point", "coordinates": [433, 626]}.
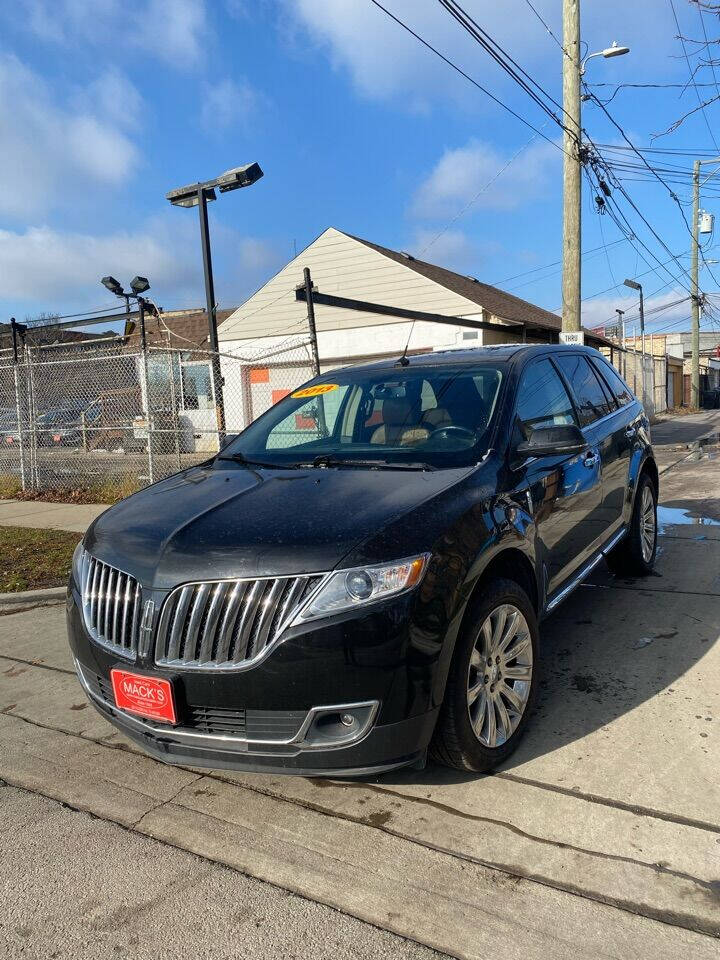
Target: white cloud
{"type": "Point", "coordinates": [229, 103]}
{"type": "Point", "coordinates": [461, 174]}
{"type": "Point", "coordinates": [452, 249]}
{"type": "Point", "coordinates": [48, 148]}
{"type": "Point", "coordinates": [256, 256]}
{"type": "Point", "coordinates": [44, 267]}
{"type": "Point", "coordinates": [42, 263]}
{"type": "Point", "coordinates": [171, 30]}
{"type": "Point", "coordinates": [601, 311]}
{"type": "Point", "coordinates": [384, 61]}
{"type": "Point", "coordinates": [113, 97]}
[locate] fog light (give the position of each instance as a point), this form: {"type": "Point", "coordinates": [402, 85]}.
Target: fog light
{"type": "Point", "coordinates": [347, 719]}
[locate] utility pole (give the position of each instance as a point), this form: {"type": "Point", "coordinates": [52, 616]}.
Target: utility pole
{"type": "Point", "coordinates": [695, 291]}
{"type": "Point", "coordinates": [311, 322]}
{"type": "Point", "coordinates": [572, 169]}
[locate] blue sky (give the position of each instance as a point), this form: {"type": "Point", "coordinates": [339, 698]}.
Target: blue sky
{"type": "Point", "coordinates": [105, 105]}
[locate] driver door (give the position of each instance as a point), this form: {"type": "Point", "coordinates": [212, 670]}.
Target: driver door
{"type": "Point", "coordinates": [562, 494]}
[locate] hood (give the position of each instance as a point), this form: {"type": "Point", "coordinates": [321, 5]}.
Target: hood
{"type": "Point", "coordinates": [226, 521]}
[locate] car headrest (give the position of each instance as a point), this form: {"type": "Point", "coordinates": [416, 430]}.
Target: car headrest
{"type": "Point", "coordinates": [395, 412]}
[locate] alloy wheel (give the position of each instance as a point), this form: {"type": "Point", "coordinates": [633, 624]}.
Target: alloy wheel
{"type": "Point", "coordinates": [500, 675]}
{"type": "Point", "coordinates": [648, 524]}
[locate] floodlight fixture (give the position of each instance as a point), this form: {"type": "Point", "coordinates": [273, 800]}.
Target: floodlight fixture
{"type": "Point", "coordinates": [139, 285]}
{"type": "Point", "coordinates": [239, 177]}
{"type": "Point", "coordinates": [633, 284]}
{"type": "Point", "coordinates": [111, 284]}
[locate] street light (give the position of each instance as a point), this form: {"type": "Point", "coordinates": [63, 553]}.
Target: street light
{"type": "Point", "coordinates": [198, 195]}
{"type": "Point", "coordinates": [608, 52]}
{"type": "Point", "coordinates": [634, 285]}
{"type": "Point", "coordinates": [138, 285]}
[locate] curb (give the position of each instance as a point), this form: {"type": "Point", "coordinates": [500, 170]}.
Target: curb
{"type": "Point", "coordinates": [32, 596]}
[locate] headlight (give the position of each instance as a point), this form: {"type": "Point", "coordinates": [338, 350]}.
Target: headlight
{"type": "Point", "coordinates": [347, 589]}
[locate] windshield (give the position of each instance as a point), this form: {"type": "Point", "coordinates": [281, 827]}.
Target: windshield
{"type": "Point", "coordinates": [423, 418]}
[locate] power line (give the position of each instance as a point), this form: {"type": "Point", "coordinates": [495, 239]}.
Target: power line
{"type": "Point", "coordinates": [462, 73]}
{"type": "Point", "coordinates": [505, 62]}
{"type": "Point", "coordinates": [692, 74]}
{"type": "Point", "coordinates": [707, 44]}
{"type": "Point", "coordinates": [534, 10]}
{"type": "Point", "coordinates": [657, 176]}
{"type": "Point", "coordinates": [555, 263]}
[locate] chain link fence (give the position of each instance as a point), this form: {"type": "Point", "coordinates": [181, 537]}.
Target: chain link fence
{"type": "Point", "coordinates": [106, 417]}
{"type": "Point", "coordinates": [646, 376]}
{"type": "Point", "coordinates": [103, 417]}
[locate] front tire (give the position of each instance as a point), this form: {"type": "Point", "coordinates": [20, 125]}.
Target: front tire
{"type": "Point", "coordinates": [492, 682]}
{"type": "Point", "coordinates": [635, 555]}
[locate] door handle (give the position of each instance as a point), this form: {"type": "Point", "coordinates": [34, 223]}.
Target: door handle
{"type": "Point", "coordinates": [591, 460]}
{"type": "Point", "coordinates": [630, 432]}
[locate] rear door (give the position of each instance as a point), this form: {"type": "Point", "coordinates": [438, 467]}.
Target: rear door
{"type": "Point", "coordinates": [562, 494]}
{"type": "Point", "coordinates": [603, 426]}
{"type": "Point", "coordinates": [616, 489]}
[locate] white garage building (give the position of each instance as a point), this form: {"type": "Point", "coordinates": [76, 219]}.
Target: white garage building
{"type": "Point", "coordinates": [348, 266]}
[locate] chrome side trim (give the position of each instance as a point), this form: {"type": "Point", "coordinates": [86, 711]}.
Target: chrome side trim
{"type": "Point", "coordinates": [215, 741]}
{"type": "Point", "coordinates": [578, 578]}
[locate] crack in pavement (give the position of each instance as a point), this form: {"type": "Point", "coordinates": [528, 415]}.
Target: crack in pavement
{"type": "Point", "coordinates": [673, 918]}
{"type": "Point", "coordinates": [635, 809]}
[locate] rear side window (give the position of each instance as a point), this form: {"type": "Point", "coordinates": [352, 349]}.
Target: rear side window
{"type": "Point", "coordinates": [543, 400]}
{"type": "Point", "coordinates": [619, 388]}
{"type": "Point", "coordinates": [592, 400]}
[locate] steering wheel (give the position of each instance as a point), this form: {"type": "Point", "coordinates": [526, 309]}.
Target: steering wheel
{"type": "Point", "coordinates": [453, 430]}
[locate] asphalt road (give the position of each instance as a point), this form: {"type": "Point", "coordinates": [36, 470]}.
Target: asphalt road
{"type": "Point", "coordinates": [600, 837]}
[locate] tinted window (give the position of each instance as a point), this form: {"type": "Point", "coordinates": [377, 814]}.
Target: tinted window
{"type": "Point", "coordinates": [619, 388]}
{"type": "Point", "coordinates": [543, 400]}
{"type": "Point", "coordinates": [592, 400]}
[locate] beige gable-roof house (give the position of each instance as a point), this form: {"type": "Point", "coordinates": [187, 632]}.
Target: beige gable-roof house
{"type": "Point", "coordinates": [351, 267]}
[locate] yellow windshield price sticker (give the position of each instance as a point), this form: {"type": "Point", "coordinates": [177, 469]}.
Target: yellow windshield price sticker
{"type": "Point", "coordinates": [316, 391]}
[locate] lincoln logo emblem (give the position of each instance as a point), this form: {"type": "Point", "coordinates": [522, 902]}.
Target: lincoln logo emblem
{"type": "Point", "coordinates": [146, 627]}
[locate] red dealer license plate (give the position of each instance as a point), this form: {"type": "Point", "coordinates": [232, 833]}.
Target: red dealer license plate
{"type": "Point", "coordinates": [150, 697]}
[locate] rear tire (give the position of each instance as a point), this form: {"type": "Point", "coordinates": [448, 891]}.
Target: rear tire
{"type": "Point", "coordinates": [635, 555]}
{"type": "Point", "coordinates": [492, 682]}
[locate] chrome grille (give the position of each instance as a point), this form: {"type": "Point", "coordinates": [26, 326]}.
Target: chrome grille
{"type": "Point", "coordinates": [111, 602]}
{"type": "Point", "coordinates": [229, 623]}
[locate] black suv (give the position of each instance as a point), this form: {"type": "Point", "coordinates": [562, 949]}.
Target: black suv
{"type": "Point", "coordinates": [359, 575]}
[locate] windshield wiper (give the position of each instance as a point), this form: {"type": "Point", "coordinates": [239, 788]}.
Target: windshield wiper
{"type": "Point", "coordinates": [330, 460]}
{"type": "Point", "coordinates": [246, 461]}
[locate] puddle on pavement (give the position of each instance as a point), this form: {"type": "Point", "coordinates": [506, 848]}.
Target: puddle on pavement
{"type": "Point", "coordinates": [677, 516]}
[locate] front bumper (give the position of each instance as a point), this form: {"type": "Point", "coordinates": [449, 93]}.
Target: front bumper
{"type": "Point", "coordinates": [282, 716]}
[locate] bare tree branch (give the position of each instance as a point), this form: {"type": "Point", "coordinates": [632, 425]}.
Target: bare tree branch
{"type": "Point", "coordinates": [678, 123]}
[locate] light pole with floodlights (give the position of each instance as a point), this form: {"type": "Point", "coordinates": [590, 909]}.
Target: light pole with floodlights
{"type": "Point", "coordinates": [198, 195]}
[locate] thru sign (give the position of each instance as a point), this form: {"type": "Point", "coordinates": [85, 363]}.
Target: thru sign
{"type": "Point", "coordinates": [575, 338]}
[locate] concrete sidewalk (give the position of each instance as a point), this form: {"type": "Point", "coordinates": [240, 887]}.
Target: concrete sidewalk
{"type": "Point", "coordinates": [75, 517]}
{"type": "Point", "coordinates": [599, 838]}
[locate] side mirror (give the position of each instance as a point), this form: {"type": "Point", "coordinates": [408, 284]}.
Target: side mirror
{"type": "Point", "coordinates": [229, 438]}
{"type": "Point", "coordinates": [563, 441]}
